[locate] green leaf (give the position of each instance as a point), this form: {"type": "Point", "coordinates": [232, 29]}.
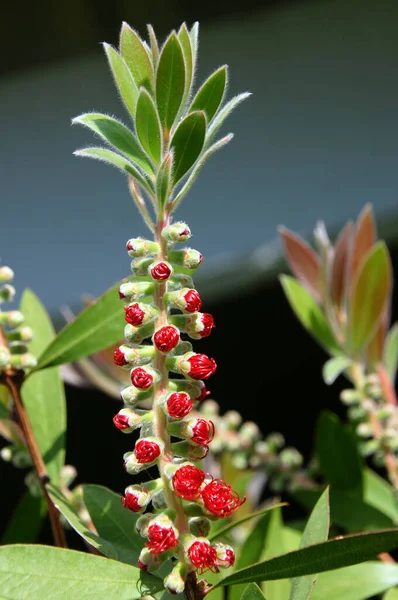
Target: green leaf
{"type": "Point", "coordinates": [304, 262]}
{"type": "Point", "coordinates": [333, 554]}
{"type": "Point", "coordinates": [154, 46]}
{"type": "Point", "coordinates": [170, 81]}
{"type": "Point", "coordinates": [137, 58]}
{"type": "Point", "coordinates": [209, 97]}
{"type": "Point", "coordinates": [356, 583]}
{"type": "Point", "coordinates": [4, 395]}
{"type": "Point", "coordinates": [55, 574]}
{"type": "Point", "coordinates": [390, 358]}
{"type": "Point", "coordinates": [334, 367]}
{"type": "Point", "coordinates": [224, 530]}
{"type": "Point", "coordinates": [309, 313]}
{"type": "Point", "coordinates": [116, 134]}
{"type": "Point", "coordinates": [43, 393]}
{"type": "Point", "coordinates": [223, 114]}
{"type": "Point", "coordinates": [187, 143]}
{"type": "Point", "coordinates": [123, 79]}
{"type": "Point", "coordinates": [26, 520]}
{"type": "Point", "coordinates": [252, 592]}
{"type": "Point", "coordinates": [148, 125]}
{"type": "Point", "coordinates": [338, 455]}
{"type": "Point", "coordinates": [274, 546]}
{"type": "Point", "coordinates": [193, 36]}
{"type": "Point", "coordinates": [97, 327]}
{"type": "Point", "coordinates": [316, 531]}
{"type": "Point", "coordinates": [116, 160]}
{"type": "Point", "coordinates": [163, 180]}
{"type": "Point", "coordinates": [185, 41]}
{"type": "Point", "coordinates": [380, 494]}
{"type": "Point", "coordinates": [391, 594]}
{"type": "Point", "coordinates": [113, 522]}
{"type": "Point", "coordinates": [373, 282]}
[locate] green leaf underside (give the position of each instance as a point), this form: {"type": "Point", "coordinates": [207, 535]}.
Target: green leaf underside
{"type": "Point", "coordinates": [316, 531]}
{"type": "Point", "coordinates": [97, 327]}
{"type": "Point", "coordinates": [163, 180]}
{"type": "Point", "coordinates": [26, 520]}
{"type": "Point", "coordinates": [55, 574]}
{"type": "Point", "coordinates": [369, 296]}
{"type": "Point", "coordinates": [183, 36]}
{"type": "Point", "coordinates": [187, 143]}
{"type": "Point", "coordinates": [337, 451]}
{"type": "Point", "coordinates": [113, 522]}
{"type": "Point", "coordinates": [137, 58]}
{"type": "Point", "coordinates": [223, 114]}
{"type": "Point", "coordinates": [170, 81]}
{"type": "Point", "coordinates": [124, 81]}
{"type": "Point", "coordinates": [224, 530]}
{"type": "Point", "coordinates": [210, 95]}
{"type": "Point", "coordinates": [117, 134]}
{"type": "Point", "coordinates": [356, 583]}
{"type": "Point", "coordinates": [193, 36]}
{"type": "Point", "coordinates": [390, 357]}
{"type": "Point", "coordinates": [309, 313]}
{"type": "Point", "coordinates": [43, 393]}
{"type": "Point", "coordinates": [333, 554]}
{"type": "Point", "coordinates": [115, 160]}
{"type": "Point", "coordinates": [334, 367]}
{"type": "Point", "coordinates": [148, 126]}
{"type": "Point", "coordinates": [252, 592]}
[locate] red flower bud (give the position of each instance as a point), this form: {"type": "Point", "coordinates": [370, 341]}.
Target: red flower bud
{"type": "Point", "coordinates": [160, 271]}
{"type": "Point", "coordinates": [225, 555]}
{"type": "Point", "coordinates": [208, 324]}
{"type": "Point", "coordinates": [119, 358]}
{"type": "Point", "coordinates": [135, 499]}
{"type": "Point", "coordinates": [220, 499]}
{"type": "Point", "coordinates": [187, 482]}
{"type": "Point", "coordinates": [166, 338]}
{"type": "Point", "coordinates": [199, 431]}
{"type": "Point", "coordinates": [193, 301]}
{"type": "Point", "coordinates": [142, 565]}
{"type": "Point", "coordinates": [146, 451]}
{"type": "Point", "coordinates": [121, 421]}
{"type": "Point", "coordinates": [141, 378]}
{"type": "Point", "coordinates": [134, 315]}
{"type": "Point", "coordinates": [203, 392]}
{"type": "Point", "coordinates": [179, 404]}
{"type": "Point", "coordinates": [160, 538]}
{"type": "Point", "coordinates": [201, 366]}
{"type": "Point", "coordinates": [203, 556]}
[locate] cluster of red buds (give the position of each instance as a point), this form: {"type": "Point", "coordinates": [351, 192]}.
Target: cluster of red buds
{"type": "Point", "coordinates": [161, 303]}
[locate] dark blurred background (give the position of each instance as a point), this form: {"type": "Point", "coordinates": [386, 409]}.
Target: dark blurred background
{"type": "Point", "coordinates": [316, 140]}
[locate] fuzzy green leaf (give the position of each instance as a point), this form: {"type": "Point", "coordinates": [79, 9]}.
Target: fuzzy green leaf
{"type": "Point", "coordinates": [219, 533]}
{"type": "Point", "coordinates": [43, 392]}
{"type": "Point", "coordinates": [209, 97]}
{"type": "Point", "coordinates": [163, 180]}
{"type": "Point", "coordinates": [148, 126]}
{"type": "Point", "coordinates": [390, 358]}
{"type": "Point", "coordinates": [223, 114]}
{"type": "Point", "coordinates": [97, 327]}
{"type": "Point", "coordinates": [356, 583]}
{"type": "Point", "coordinates": [193, 36]}
{"type": "Point", "coordinates": [252, 592]}
{"type": "Point", "coordinates": [116, 134]}
{"type": "Point", "coordinates": [26, 520]}
{"type": "Point", "coordinates": [154, 46]}
{"type": "Point", "coordinates": [55, 574]}
{"type": "Point", "coordinates": [337, 452]}
{"type": "Point", "coordinates": [309, 313]}
{"type": "Point", "coordinates": [123, 78]}
{"type": "Point", "coordinates": [187, 143]}
{"type": "Point", "coordinates": [118, 161]}
{"type": "Point", "coordinates": [316, 531]}
{"type": "Point", "coordinates": [370, 294]}
{"type": "Point", "coordinates": [170, 81]}
{"type": "Point", "coordinates": [185, 41]}
{"type": "Point", "coordinates": [333, 554]}
{"type": "Point", "coordinates": [137, 58]}
{"type": "Point", "coordinates": [113, 522]}
{"type": "Point", "coordinates": [334, 367]}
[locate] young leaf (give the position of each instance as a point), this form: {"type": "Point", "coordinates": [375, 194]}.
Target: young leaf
{"type": "Point", "coordinates": [193, 36]}
{"type": "Point", "coordinates": [303, 261]}
{"type": "Point", "coordinates": [154, 46]}
{"type": "Point", "coordinates": [183, 36]}
{"type": "Point", "coordinates": [365, 238]}
{"type": "Point", "coordinates": [380, 494]}
{"type": "Point", "coordinates": [334, 367]}
{"type": "Point", "coordinates": [275, 546]}
{"type": "Point", "coordinates": [118, 161]}
{"type": "Point", "coordinates": [373, 282]}
{"type": "Point", "coordinates": [123, 78]}
{"type": "Point", "coordinates": [223, 114]}
{"type": "Point", "coordinates": [375, 347]}
{"type": "Point", "coordinates": [163, 180]}
{"type": "Point", "coordinates": [252, 592]}
{"type": "Point", "coordinates": [43, 392]}
{"type": "Point", "coordinates": [340, 265]}
{"type": "Point", "coordinates": [170, 81]}
{"type": "Point", "coordinates": [148, 126]}
{"type": "Point", "coordinates": [26, 520]}
{"type": "Point", "coordinates": [357, 582]}
{"type": "Point", "coordinates": [55, 573]}
{"type": "Point", "coordinates": [137, 58]}
{"type": "Point", "coordinates": [390, 358]}
{"type": "Point", "coordinates": [316, 531]}
{"type": "Point", "coordinates": [113, 522]}
{"type": "Point", "coordinates": [337, 452]}
{"type": "Point", "coordinates": [187, 143]}
{"type": "Point", "coordinates": [333, 554]}
{"type": "Point", "coordinates": [117, 135]}
{"type": "Point", "coordinates": [224, 530]}
{"type": "Point", "coordinates": [309, 313]}
{"type": "Point", "coordinates": [211, 94]}
{"type": "Point", "coordinates": [98, 326]}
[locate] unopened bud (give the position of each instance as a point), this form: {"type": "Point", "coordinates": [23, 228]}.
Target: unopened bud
{"type": "Point", "coordinates": [250, 431]}
{"type": "Point", "coordinates": [174, 582]}
{"type": "Point", "coordinates": [149, 562]}
{"type": "Point", "coordinates": [188, 258]}
{"type": "Point", "coordinates": [176, 232]}
{"type": "Point", "coordinates": [135, 498]}
{"type": "Point", "coordinates": [6, 453]}
{"type": "Point", "coordinates": [12, 318]}
{"type": "Point", "coordinates": [160, 270]}
{"type": "Point", "coordinates": [199, 526]}
{"type": "Point", "coordinates": [132, 395]}
{"type": "Point", "coordinates": [7, 293]}
{"type": "Point", "coordinates": [139, 266]}
{"type": "Point", "coordinates": [232, 419]}
{"type": "Point", "coordinates": [4, 356]}
{"type": "Point", "coordinates": [142, 523]}
{"type": "Point", "coordinates": [23, 361]}
{"type": "Point", "coordinates": [6, 274]}
{"type": "Point", "coordinates": [134, 290]}
{"type": "Point", "coordinates": [350, 397]}
{"type": "Point", "coordinates": [127, 420]}
{"type": "Point", "coordinates": [140, 247]}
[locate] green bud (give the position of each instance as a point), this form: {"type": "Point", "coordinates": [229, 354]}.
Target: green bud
{"type": "Point", "coordinates": [250, 431]}
{"type": "Point", "coordinates": [364, 430]}
{"type": "Point", "coordinates": [350, 397]}
{"type": "Point", "coordinates": [174, 582]}
{"type": "Point", "coordinates": [209, 408]}
{"type": "Point", "coordinates": [275, 441]}
{"type": "Point", "coordinates": [12, 318]}
{"type": "Point", "coordinates": [7, 293]}
{"type": "Point", "coordinates": [232, 419]}
{"type": "Point", "coordinates": [140, 247]}
{"type": "Point", "coordinates": [176, 232]}
{"type": "Point", "coordinates": [22, 334]}
{"type": "Point", "coordinates": [23, 361]}
{"type": "Point", "coordinates": [4, 356]}
{"type": "Point", "coordinates": [290, 458]}
{"type": "Point", "coordinates": [188, 258]}
{"type": "Point", "coordinates": [6, 453]}
{"type": "Point", "coordinates": [6, 274]}
{"type": "Point", "coordinates": [139, 266]}
{"type": "Point", "coordinates": [199, 526]}
{"type": "Point", "coordinates": [356, 413]}
{"type": "Point", "coordinates": [239, 460]}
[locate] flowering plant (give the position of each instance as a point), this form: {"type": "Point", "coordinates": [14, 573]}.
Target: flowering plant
{"type": "Point", "coordinates": [177, 526]}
